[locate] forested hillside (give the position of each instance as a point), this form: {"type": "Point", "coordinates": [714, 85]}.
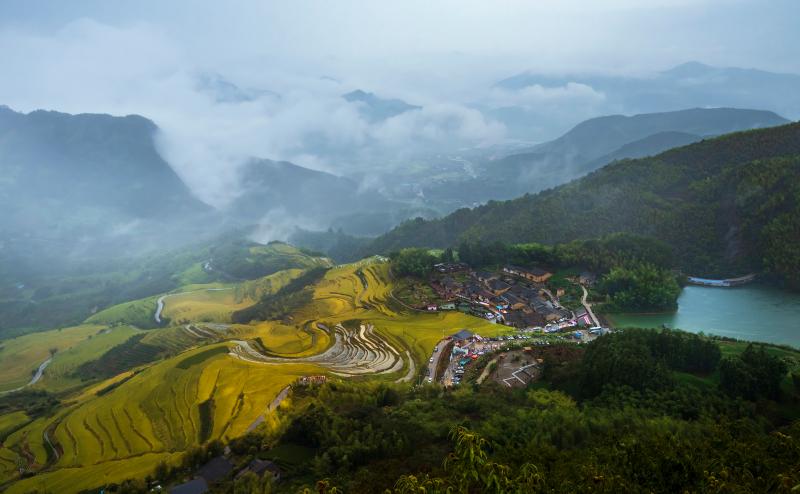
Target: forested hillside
{"type": "Point", "coordinates": [727, 205]}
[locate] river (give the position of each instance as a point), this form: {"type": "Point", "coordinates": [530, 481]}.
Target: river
{"type": "Point", "coordinates": [752, 312]}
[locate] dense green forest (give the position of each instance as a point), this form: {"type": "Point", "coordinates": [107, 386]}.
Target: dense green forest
{"type": "Point", "coordinates": [634, 411]}
{"type": "Point", "coordinates": [727, 206]}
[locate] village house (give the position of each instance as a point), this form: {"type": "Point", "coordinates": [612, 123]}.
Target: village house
{"type": "Point", "coordinates": [536, 275]}
{"type": "Point", "coordinates": [485, 276]}
{"type": "Point", "coordinates": [194, 486]}
{"type": "Point", "coordinates": [216, 470]}
{"type": "Point", "coordinates": [261, 468]}
{"type": "Point", "coordinates": [447, 288]}
{"type": "Point", "coordinates": [523, 319]}
{"type": "Point", "coordinates": [450, 267]}
{"type": "Point", "coordinates": [498, 287]}
{"type": "Point", "coordinates": [312, 380]}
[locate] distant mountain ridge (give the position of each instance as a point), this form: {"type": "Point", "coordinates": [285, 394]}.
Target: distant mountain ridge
{"type": "Point", "coordinates": [375, 108]}
{"type": "Point", "coordinates": [269, 184]}
{"type": "Point", "coordinates": [689, 85]}
{"type": "Point", "coordinates": [597, 141]}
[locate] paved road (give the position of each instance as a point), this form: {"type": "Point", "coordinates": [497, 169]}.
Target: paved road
{"type": "Point", "coordinates": [34, 379]}
{"type": "Point", "coordinates": [274, 404]}
{"type": "Point", "coordinates": [437, 354]}
{"type": "Point", "coordinates": [588, 306]}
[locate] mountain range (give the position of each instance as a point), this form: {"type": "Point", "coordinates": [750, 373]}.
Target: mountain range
{"type": "Point", "coordinates": [727, 206]}
{"type": "Point", "coordinates": [598, 141]}
{"type": "Point", "coordinates": [592, 144]}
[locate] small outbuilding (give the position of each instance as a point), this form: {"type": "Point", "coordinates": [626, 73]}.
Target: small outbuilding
{"type": "Point", "coordinates": [262, 468]}
{"type": "Point", "coordinates": [194, 486]}
{"type": "Point", "coordinates": [464, 334]}
{"type": "Point", "coordinates": [217, 469]}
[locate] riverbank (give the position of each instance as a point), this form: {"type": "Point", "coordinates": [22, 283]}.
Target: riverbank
{"type": "Point", "coordinates": [754, 312]}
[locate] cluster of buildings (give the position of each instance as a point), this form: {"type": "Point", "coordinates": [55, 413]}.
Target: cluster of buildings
{"type": "Point", "coordinates": [516, 296]}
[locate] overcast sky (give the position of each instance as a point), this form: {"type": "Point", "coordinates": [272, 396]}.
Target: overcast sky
{"type": "Point", "coordinates": [142, 57]}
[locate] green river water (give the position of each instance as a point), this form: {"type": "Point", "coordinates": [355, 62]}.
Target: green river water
{"type": "Point", "coordinates": [752, 312]}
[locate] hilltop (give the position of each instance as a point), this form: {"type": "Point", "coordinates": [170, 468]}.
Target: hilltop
{"type": "Point", "coordinates": [65, 162]}
{"type": "Point", "coordinates": [727, 205]}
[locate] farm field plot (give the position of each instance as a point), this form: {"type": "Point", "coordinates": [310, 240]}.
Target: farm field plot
{"type": "Point", "coordinates": [291, 341]}
{"type": "Point", "coordinates": [27, 446]}
{"type": "Point", "coordinates": [209, 304]}
{"type": "Point", "coordinates": [21, 356]}
{"type": "Point", "coordinates": [59, 374]}
{"type": "Point", "coordinates": [199, 395]}
{"type": "Point", "coordinates": [91, 476]}
{"type": "Point", "coordinates": [11, 421]}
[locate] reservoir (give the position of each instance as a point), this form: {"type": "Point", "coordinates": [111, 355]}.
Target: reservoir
{"type": "Point", "coordinates": [751, 312]}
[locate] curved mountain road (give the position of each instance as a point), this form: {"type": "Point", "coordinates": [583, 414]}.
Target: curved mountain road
{"type": "Point", "coordinates": [38, 375]}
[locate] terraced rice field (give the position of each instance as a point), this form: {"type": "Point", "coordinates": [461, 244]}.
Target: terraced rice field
{"type": "Point", "coordinates": [10, 422]}
{"type": "Point", "coordinates": [213, 304]}
{"type": "Point", "coordinates": [355, 352]}
{"type": "Point", "coordinates": [352, 306]}
{"type": "Point", "coordinates": [223, 376]}
{"type": "Point", "coordinates": [158, 411]}
{"type": "Point", "coordinates": [91, 476]}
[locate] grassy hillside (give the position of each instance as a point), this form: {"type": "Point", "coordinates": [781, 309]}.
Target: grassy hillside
{"type": "Point", "coordinates": [239, 259]}
{"type": "Point", "coordinates": [727, 205]}
{"type": "Point", "coordinates": [21, 356]}
{"type": "Point", "coordinates": [70, 293]}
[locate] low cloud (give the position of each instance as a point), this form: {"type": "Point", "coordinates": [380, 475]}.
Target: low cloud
{"type": "Point", "coordinates": [438, 125]}
{"type": "Point", "coordinates": [206, 137]}
{"type": "Point", "coordinates": [279, 224]}
{"type": "Point", "coordinates": [536, 95]}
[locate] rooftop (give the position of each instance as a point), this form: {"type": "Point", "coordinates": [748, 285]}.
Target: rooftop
{"type": "Point", "coordinates": [216, 469]}
{"type": "Point", "coordinates": [463, 334]}
{"type": "Point", "coordinates": [195, 486]}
